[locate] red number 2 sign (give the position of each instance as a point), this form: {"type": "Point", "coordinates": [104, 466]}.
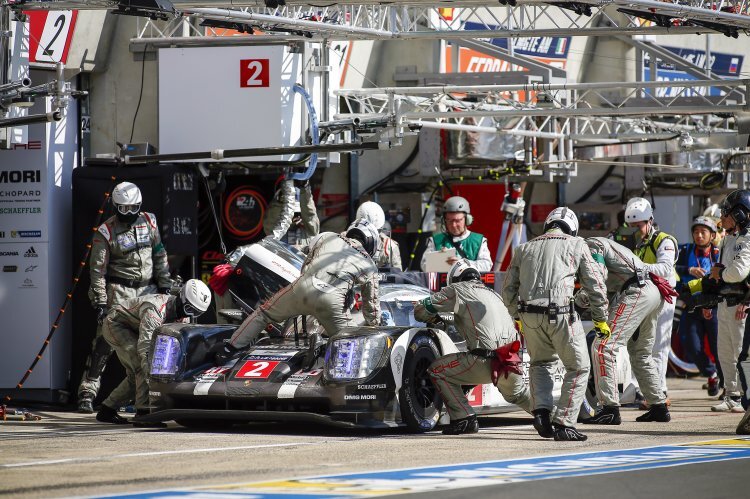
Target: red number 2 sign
{"type": "Point", "coordinates": [257, 369]}
{"type": "Point", "coordinates": [254, 73]}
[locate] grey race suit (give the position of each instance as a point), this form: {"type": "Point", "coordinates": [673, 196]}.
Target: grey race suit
{"type": "Point", "coordinates": [278, 218]}
{"type": "Point", "coordinates": [483, 321]}
{"type": "Point", "coordinates": [389, 254]}
{"type": "Point", "coordinates": [543, 271]}
{"type": "Point", "coordinates": [735, 256]}
{"type": "Point", "coordinates": [127, 252]}
{"type": "Point", "coordinates": [128, 328]}
{"type": "Point", "coordinates": [333, 267]}
{"type": "Point", "coordinates": [633, 308]}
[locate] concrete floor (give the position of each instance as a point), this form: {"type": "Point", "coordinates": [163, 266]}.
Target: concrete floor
{"type": "Point", "coordinates": [69, 454]}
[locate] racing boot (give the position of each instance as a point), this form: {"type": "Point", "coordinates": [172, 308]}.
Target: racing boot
{"type": "Point", "coordinates": [223, 353]}
{"type": "Point", "coordinates": [712, 386]}
{"type": "Point", "coordinates": [108, 415]}
{"type": "Point", "coordinates": [657, 413]}
{"type": "Point", "coordinates": [542, 423]}
{"type": "Point", "coordinates": [744, 427]}
{"type": "Point", "coordinates": [609, 415]}
{"type": "Point", "coordinates": [86, 403]}
{"type": "Point", "coordinates": [568, 433]}
{"type": "Point", "coordinates": [463, 425]}
{"type": "Point", "coordinates": [146, 424]}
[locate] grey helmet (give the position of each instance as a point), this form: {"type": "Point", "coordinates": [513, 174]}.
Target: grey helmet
{"type": "Point", "coordinates": [457, 204]}
{"type": "Point", "coordinates": [706, 222]}
{"type": "Point", "coordinates": [365, 232]}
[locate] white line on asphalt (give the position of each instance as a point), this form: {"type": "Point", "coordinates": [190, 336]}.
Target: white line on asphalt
{"type": "Point", "coordinates": [156, 453]}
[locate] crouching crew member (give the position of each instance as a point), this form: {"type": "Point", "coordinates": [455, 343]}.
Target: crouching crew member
{"type": "Point", "coordinates": [539, 288]}
{"type": "Point", "coordinates": [484, 323]}
{"type": "Point", "coordinates": [129, 328]}
{"type": "Point", "coordinates": [636, 307]}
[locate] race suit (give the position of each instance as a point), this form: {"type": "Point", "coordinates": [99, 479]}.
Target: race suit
{"type": "Point", "coordinates": [735, 256]}
{"type": "Point", "coordinates": [540, 279]}
{"type": "Point", "coordinates": [659, 252]}
{"type": "Point", "coordinates": [324, 289]}
{"type": "Point", "coordinates": [277, 222]}
{"type": "Point", "coordinates": [635, 307]}
{"type": "Point", "coordinates": [389, 254]}
{"type": "Point", "coordinates": [128, 328]}
{"type": "Point", "coordinates": [125, 261]}
{"type": "Point", "coordinates": [484, 323]}
{"type": "Point", "coordinates": [470, 245]}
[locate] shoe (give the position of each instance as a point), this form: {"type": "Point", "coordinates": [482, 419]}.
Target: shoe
{"type": "Point", "coordinates": [462, 426]}
{"type": "Point", "coordinates": [109, 415]}
{"type": "Point", "coordinates": [608, 415]}
{"type": "Point", "coordinates": [542, 423]}
{"type": "Point", "coordinates": [568, 433]}
{"type": "Point", "coordinates": [86, 403]}
{"type": "Point", "coordinates": [640, 401]}
{"type": "Point", "coordinates": [658, 413]}
{"type": "Point", "coordinates": [146, 424]}
{"type": "Point", "coordinates": [744, 427]}
{"type": "Point", "coordinates": [729, 404]}
{"type": "Point", "coordinates": [722, 394]}
{"type": "Point", "coordinates": [713, 385]}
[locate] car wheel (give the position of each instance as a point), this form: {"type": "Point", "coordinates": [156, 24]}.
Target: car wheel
{"type": "Point", "coordinates": [419, 399]}
{"type": "Point", "coordinates": [204, 424]}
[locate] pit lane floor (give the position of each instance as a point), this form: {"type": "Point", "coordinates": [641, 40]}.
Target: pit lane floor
{"type": "Point", "coordinates": [68, 454]}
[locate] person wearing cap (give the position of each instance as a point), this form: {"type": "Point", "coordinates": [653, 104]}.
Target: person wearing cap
{"type": "Point", "coordinates": [538, 288]}
{"type": "Point", "coordinates": [127, 260]}
{"type": "Point", "coordinates": [388, 254]}
{"type": "Point", "coordinates": [129, 328]}
{"type": "Point", "coordinates": [291, 216]}
{"type": "Point", "coordinates": [455, 234]}
{"type": "Point", "coordinates": [695, 261]}
{"type": "Point", "coordinates": [483, 322]}
{"type": "Point", "coordinates": [658, 250]}
{"type": "Point", "coordinates": [334, 265]}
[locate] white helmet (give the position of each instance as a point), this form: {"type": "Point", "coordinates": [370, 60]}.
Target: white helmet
{"type": "Point", "coordinates": [705, 222]}
{"type": "Point", "coordinates": [127, 199]}
{"type": "Point", "coordinates": [638, 210]}
{"type": "Point", "coordinates": [564, 218]}
{"type": "Point", "coordinates": [195, 297]}
{"type": "Point", "coordinates": [366, 233]}
{"type": "Point", "coordinates": [457, 204]}
{"type": "Point", "coordinates": [462, 271]}
{"type": "Point", "coordinates": [373, 212]}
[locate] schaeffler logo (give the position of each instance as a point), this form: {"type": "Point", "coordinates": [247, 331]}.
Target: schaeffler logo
{"type": "Point", "coordinates": [30, 253]}
{"type": "Point", "coordinates": [20, 176]}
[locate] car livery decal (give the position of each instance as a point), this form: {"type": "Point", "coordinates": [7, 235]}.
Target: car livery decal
{"type": "Point", "coordinates": [205, 379]}
{"type": "Point", "coordinates": [256, 369]}
{"type": "Point", "coordinates": [289, 388]}
{"type": "Point", "coordinates": [490, 473]}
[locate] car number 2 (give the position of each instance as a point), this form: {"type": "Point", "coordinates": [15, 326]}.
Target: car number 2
{"type": "Point", "coordinates": [257, 369]}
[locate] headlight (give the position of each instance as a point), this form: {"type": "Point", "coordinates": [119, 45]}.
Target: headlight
{"type": "Point", "coordinates": [354, 357]}
{"type": "Point", "coordinates": [166, 357]}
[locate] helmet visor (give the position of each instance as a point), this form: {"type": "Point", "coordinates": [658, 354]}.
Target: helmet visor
{"type": "Point", "coordinates": [128, 209]}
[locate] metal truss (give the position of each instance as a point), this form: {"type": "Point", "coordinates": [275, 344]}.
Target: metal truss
{"type": "Point", "coordinates": [409, 19]}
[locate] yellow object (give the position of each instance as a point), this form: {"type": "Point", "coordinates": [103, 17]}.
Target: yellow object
{"type": "Point", "coordinates": [695, 286]}
{"type": "Point", "coordinates": [602, 330]}
{"type": "Point", "coordinates": [519, 328]}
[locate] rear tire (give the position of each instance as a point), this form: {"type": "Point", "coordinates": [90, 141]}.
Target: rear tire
{"type": "Point", "coordinates": [419, 400]}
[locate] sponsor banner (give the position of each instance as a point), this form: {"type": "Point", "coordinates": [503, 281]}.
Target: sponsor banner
{"type": "Point", "coordinates": [482, 474]}
{"type": "Point", "coordinates": [23, 194]}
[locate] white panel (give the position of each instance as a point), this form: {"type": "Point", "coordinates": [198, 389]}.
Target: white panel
{"type": "Point", "coordinates": [228, 98]}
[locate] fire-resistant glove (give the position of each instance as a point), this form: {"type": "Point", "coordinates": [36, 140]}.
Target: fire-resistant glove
{"type": "Point", "coordinates": [101, 313]}
{"type": "Point", "coordinates": [602, 330]}
{"type": "Point", "coordinates": [518, 325]}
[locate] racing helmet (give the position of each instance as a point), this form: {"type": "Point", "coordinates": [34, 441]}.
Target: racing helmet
{"type": "Point", "coordinates": [638, 210]}
{"type": "Point", "coordinates": [126, 196]}
{"type": "Point", "coordinates": [457, 204]}
{"type": "Point", "coordinates": [564, 218]}
{"type": "Point", "coordinates": [195, 298]}
{"type": "Point", "coordinates": [365, 232]}
{"type": "Point", "coordinates": [705, 222]}
{"type": "Point", "coordinates": [737, 206]}
{"type": "Point", "coordinates": [462, 271]}
{"type": "Point", "coordinates": [372, 212]}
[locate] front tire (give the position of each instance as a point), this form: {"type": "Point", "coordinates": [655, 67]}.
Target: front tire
{"type": "Point", "coordinates": [419, 400]}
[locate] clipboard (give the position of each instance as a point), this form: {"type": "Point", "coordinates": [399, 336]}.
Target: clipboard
{"type": "Point", "coordinates": [435, 261]}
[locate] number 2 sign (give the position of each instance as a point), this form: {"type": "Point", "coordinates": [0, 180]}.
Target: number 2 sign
{"type": "Point", "coordinates": [254, 73]}
{"type": "Point", "coordinates": [256, 369]}
{"type": "Point", "coordinates": [50, 35]}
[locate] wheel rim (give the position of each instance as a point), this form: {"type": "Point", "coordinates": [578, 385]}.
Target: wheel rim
{"type": "Point", "coordinates": [423, 387]}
